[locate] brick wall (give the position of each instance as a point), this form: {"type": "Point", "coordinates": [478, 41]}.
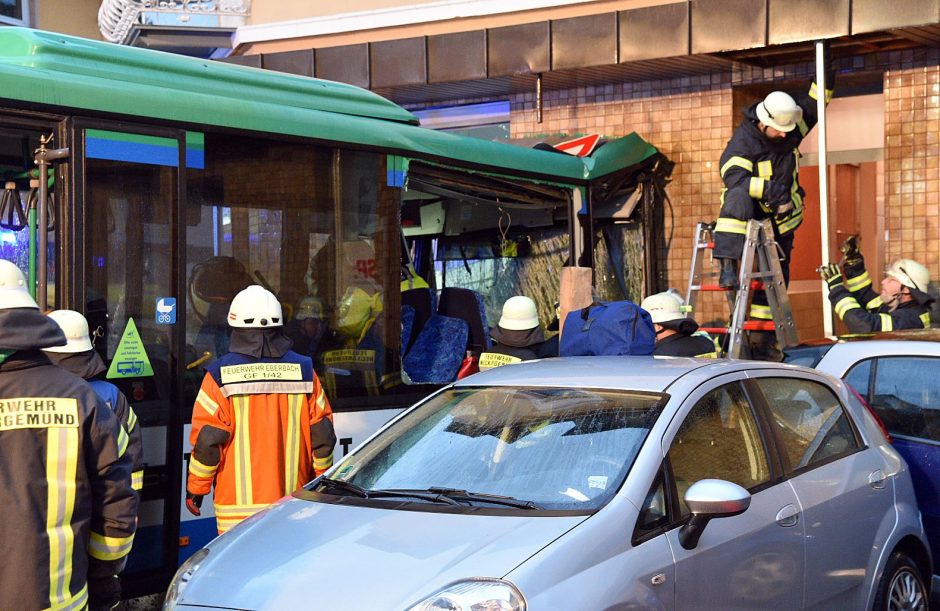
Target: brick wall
{"type": "Point", "coordinates": [912, 158]}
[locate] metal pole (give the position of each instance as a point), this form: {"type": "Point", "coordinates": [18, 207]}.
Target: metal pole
{"type": "Point", "coordinates": [823, 177]}
{"type": "Point", "coordinates": [43, 159]}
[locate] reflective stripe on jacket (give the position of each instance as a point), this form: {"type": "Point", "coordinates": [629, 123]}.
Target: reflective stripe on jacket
{"type": "Point", "coordinates": [262, 428]}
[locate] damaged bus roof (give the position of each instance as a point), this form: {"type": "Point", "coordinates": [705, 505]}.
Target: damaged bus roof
{"type": "Point", "coordinates": [65, 72]}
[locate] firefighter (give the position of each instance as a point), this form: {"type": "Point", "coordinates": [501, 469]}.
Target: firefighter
{"type": "Point", "coordinates": [517, 337]}
{"type": "Point", "coordinates": [79, 357]}
{"type": "Point", "coordinates": [262, 426]}
{"type": "Point", "coordinates": [676, 335]}
{"type": "Point", "coordinates": [68, 506]}
{"type": "Point", "coordinates": [902, 304]}
{"type": "Point", "coordinates": [759, 168]}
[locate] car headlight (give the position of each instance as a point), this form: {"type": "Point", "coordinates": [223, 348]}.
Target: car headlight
{"type": "Point", "coordinates": [182, 578]}
{"type": "Point", "coordinates": [474, 595]}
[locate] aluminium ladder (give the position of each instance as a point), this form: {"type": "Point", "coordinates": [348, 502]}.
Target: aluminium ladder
{"type": "Point", "coordinates": [759, 246]}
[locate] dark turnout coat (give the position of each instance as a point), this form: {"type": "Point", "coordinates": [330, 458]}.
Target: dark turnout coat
{"type": "Point", "coordinates": [69, 511]}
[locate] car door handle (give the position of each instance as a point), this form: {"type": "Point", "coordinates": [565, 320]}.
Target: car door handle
{"type": "Point", "coordinates": [877, 479]}
{"type": "Point", "coordinates": [788, 516]}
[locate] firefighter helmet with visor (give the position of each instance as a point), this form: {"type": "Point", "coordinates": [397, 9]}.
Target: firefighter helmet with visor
{"type": "Point", "coordinates": [779, 111]}
{"type": "Point", "coordinates": [13, 290]}
{"type": "Point", "coordinates": [75, 327]}
{"type": "Point", "coordinates": [255, 308]}
{"type": "Point", "coordinates": [663, 307]}
{"type": "Point", "coordinates": [910, 273]}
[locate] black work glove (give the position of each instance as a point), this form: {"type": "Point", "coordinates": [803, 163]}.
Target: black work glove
{"type": "Point", "coordinates": [831, 274]}
{"type": "Point", "coordinates": [850, 250]}
{"type": "Point", "coordinates": [776, 193]}
{"type": "Point", "coordinates": [194, 503]}
{"type": "Point", "coordinates": [104, 593]}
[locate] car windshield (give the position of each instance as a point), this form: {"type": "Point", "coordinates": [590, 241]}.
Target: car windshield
{"type": "Point", "coordinates": [550, 448]}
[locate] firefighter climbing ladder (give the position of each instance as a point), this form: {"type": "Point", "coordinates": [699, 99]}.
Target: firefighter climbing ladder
{"type": "Point", "coordinates": [759, 244]}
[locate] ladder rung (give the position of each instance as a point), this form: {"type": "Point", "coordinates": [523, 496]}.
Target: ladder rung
{"type": "Point", "coordinates": [710, 287]}
{"type": "Point", "coordinates": [749, 325]}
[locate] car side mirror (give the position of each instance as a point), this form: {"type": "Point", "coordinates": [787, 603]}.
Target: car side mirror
{"type": "Point", "coordinates": [708, 499]}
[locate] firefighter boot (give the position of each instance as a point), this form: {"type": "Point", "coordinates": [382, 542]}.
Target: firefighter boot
{"type": "Point", "coordinates": [728, 278]}
{"type": "Point", "coordinates": [764, 347]}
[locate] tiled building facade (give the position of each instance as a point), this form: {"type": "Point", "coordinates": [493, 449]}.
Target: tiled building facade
{"type": "Point", "coordinates": [690, 119]}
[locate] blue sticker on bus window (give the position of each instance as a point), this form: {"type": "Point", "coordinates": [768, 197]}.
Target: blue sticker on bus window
{"type": "Point", "coordinates": [166, 310]}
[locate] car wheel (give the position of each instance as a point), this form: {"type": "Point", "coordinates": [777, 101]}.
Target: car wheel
{"type": "Point", "coordinates": [902, 586]}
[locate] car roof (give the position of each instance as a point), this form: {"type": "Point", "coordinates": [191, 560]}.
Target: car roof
{"type": "Point", "coordinates": [905, 335]}
{"type": "Point", "coordinates": [639, 373]}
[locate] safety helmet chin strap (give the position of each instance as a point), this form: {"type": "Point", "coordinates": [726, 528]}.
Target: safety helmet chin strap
{"type": "Point", "coordinates": [895, 299]}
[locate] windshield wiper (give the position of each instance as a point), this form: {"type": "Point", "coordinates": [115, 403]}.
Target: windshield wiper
{"type": "Point", "coordinates": [368, 493]}
{"type": "Point", "coordinates": [343, 485]}
{"type": "Point", "coordinates": [482, 497]}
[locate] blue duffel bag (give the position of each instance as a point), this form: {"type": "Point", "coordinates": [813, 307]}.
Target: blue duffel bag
{"type": "Point", "coordinates": [608, 328]}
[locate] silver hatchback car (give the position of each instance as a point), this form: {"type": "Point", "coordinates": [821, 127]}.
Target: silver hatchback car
{"type": "Point", "coordinates": [593, 483]}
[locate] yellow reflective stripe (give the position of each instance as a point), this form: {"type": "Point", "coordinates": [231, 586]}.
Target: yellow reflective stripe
{"type": "Point", "coordinates": [199, 469]}
{"type": "Point", "coordinates": [737, 162]}
{"type": "Point", "coordinates": [707, 355]}
{"type": "Point", "coordinates": [887, 323]}
{"type": "Point", "coordinates": [791, 223]}
{"type": "Point", "coordinates": [137, 479]}
{"type": "Point", "coordinates": [875, 303]}
{"type": "Point", "coordinates": [321, 401]}
{"type": "Point", "coordinates": [206, 402]}
{"type": "Point", "coordinates": [76, 602]}
{"type": "Point", "coordinates": [292, 442]}
{"type": "Point", "coordinates": [109, 548]}
{"type": "Point", "coordinates": [925, 318]}
{"type": "Point", "coordinates": [756, 187]}
{"type": "Point", "coordinates": [61, 470]}
{"type": "Point", "coordinates": [858, 282]}
{"type": "Point", "coordinates": [761, 311]}
{"type": "Point", "coordinates": [844, 305]}
{"type": "Point", "coordinates": [765, 169]}
{"type": "Point", "coordinates": [803, 127]}
{"type": "Point", "coordinates": [489, 360]}
{"type": "Point", "coordinates": [814, 93]}
{"type": "Point", "coordinates": [322, 464]}
{"type": "Point", "coordinates": [131, 419]}
{"type": "Point", "coordinates": [728, 225]}
{"type": "Point", "coordinates": [242, 452]}
{"type": "Point", "coordinates": [122, 441]}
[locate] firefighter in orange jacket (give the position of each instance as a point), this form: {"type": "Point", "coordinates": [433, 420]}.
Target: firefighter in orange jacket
{"type": "Point", "coordinates": [262, 425]}
{"type": "Point", "coordinates": [69, 512]}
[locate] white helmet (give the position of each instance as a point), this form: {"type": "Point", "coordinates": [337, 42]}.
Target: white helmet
{"type": "Point", "coordinates": [779, 111]}
{"type": "Point", "coordinates": [75, 327]}
{"type": "Point", "coordinates": [910, 273]}
{"type": "Point", "coordinates": [663, 307]}
{"type": "Point", "coordinates": [13, 290]}
{"type": "Point", "coordinates": [519, 314]}
{"type": "Point", "coordinates": [255, 308]}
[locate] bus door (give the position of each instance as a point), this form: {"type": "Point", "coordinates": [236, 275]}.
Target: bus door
{"type": "Point", "coordinates": [129, 195]}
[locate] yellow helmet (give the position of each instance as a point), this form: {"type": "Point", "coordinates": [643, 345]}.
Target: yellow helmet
{"type": "Point", "coordinates": [356, 312]}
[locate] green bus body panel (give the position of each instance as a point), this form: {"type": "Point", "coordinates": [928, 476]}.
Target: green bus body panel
{"type": "Point", "coordinates": [77, 73]}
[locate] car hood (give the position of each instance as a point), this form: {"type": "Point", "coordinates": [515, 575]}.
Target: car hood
{"type": "Point", "coordinates": [303, 553]}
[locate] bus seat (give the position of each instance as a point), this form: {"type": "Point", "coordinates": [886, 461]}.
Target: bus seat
{"type": "Point", "coordinates": [467, 304]}
{"type": "Point", "coordinates": [421, 302]}
{"type": "Point", "coordinates": [438, 351]}
{"type": "Point", "coordinates": [407, 328]}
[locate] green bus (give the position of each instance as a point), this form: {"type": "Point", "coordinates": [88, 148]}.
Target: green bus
{"type": "Point", "coordinates": [171, 183]}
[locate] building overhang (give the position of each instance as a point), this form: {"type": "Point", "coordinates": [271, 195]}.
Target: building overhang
{"type": "Point", "coordinates": [574, 44]}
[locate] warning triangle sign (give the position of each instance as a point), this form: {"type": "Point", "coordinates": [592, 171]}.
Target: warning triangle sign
{"type": "Point", "coordinates": [130, 359]}
{"type": "Point", "coordinates": [579, 147]}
